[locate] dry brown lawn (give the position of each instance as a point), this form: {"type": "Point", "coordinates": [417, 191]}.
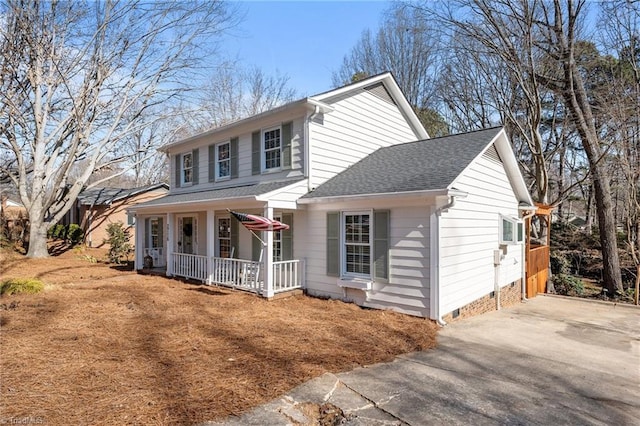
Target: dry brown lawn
{"type": "Point", "coordinates": [105, 346]}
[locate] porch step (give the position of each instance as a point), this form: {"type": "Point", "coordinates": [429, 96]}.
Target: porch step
{"type": "Point", "coordinates": [152, 271]}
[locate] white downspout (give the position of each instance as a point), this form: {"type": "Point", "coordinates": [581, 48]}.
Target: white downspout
{"type": "Point", "coordinates": [436, 253]}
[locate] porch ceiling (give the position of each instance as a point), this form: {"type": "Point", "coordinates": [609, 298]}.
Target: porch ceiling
{"type": "Point", "coordinates": [237, 193]}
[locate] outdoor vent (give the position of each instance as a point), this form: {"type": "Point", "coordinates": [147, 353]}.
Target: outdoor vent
{"type": "Point", "coordinates": [380, 91]}
{"type": "Point", "coordinates": [456, 313]}
{"type": "Point", "coordinates": [492, 294]}
{"type": "Point", "coordinates": [492, 154]}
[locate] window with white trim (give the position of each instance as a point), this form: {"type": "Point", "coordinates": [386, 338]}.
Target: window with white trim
{"type": "Point", "coordinates": [187, 168]}
{"type": "Point", "coordinates": [224, 237]}
{"type": "Point", "coordinates": [511, 230]}
{"type": "Point", "coordinates": [271, 149]}
{"type": "Point", "coordinates": [223, 160]}
{"type": "Point", "coordinates": [356, 232]}
{"type": "Point", "coordinates": [154, 225]}
{"type": "Point", "coordinates": [277, 242]}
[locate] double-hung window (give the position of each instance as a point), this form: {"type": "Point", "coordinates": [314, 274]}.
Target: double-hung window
{"type": "Point", "coordinates": [155, 232]}
{"type": "Point", "coordinates": [357, 244]}
{"type": "Point", "coordinates": [187, 168]}
{"type": "Point", "coordinates": [271, 146]}
{"type": "Point", "coordinates": [224, 237]}
{"type": "Point", "coordinates": [223, 160]}
{"type": "Point", "coordinates": [277, 242]}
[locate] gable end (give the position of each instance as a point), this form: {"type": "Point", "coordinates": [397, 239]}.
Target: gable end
{"type": "Point", "coordinates": [491, 154]}
{"type": "Point", "coordinates": [381, 92]}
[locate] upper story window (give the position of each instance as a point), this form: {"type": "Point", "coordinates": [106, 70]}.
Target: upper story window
{"type": "Point", "coordinates": [223, 160]}
{"type": "Point", "coordinates": [357, 244]}
{"type": "Point", "coordinates": [271, 145]}
{"type": "Point", "coordinates": [187, 168]}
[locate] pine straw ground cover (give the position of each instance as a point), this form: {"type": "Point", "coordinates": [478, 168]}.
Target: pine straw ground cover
{"type": "Point", "coordinates": [106, 346]}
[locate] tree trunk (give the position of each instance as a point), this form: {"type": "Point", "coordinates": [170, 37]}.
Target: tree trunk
{"type": "Point", "coordinates": [37, 237]}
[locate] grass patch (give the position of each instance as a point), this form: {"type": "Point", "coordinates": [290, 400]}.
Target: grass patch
{"type": "Point", "coordinates": [21, 285]}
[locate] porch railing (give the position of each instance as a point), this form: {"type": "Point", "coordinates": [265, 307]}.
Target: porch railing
{"type": "Point", "coordinates": [236, 273]}
{"type": "Point", "coordinates": [247, 275]}
{"type": "Point", "coordinates": [287, 275]}
{"type": "Point", "coordinates": [190, 266]}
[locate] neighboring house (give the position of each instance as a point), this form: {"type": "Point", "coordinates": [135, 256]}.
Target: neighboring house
{"type": "Point", "coordinates": [13, 218]}
{"type": "Point", "coordinates": [96, 208]}
{"type": "Point", "coordinates": [379, 214]}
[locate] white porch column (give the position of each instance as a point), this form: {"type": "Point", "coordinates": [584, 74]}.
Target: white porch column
{"type": "Point", "coordinates": [171, 229]}
{"type": "Point", "coordinates": [211, 241]}
{"type": "Point", "coordinates": [138, 261]}
{"type": "Point", "coordinates": [267, 273]}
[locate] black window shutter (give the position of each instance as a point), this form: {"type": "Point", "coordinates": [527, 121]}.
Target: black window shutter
{"type": "Point", "coordinates": [287, 237]}
{"type": "Point", "coordinates": [147, 233]}
{"type": "Point", "coordinates": [286, 144]}
{"type": "Point", "coordinates": [381, 245]}
{"type": "Point", "coordinates": [233, 148]}
{"type": "Point", "coordinates": [160, 233]}
{"type": "Point", "coordinates": [212, 163]}
{"type": "Point", "coordinates": [178, 170]}
{"type": "Point", "coordinates": [196, 166]}
{"type": "Point", "coordinates": [233, 230]}
{"type": "Point", "coordinates": [333, 244]}
{"type": "Point", "coordinates": [255, 153]}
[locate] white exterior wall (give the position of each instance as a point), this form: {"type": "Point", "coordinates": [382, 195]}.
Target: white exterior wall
{"type": "Point", "coordinates": [407, 290]}
{"type": "Point", "coordinates": [469, 235]}
{"type": "Point", "coordinates": [245, 175]}
{"type": "Point", "coordinates": [360, 124]}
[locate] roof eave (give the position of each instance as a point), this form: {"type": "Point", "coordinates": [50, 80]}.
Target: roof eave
{"type": "Point", "coordinates": [364, 197]}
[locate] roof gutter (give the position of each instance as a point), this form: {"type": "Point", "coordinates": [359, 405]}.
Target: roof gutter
{"type": "Point", "coordinates": [365, 197]}
{"type": "Point", "coordinates": [198, 202]}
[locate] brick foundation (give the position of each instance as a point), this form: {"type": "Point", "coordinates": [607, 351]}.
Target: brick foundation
{"type": "Point", "coordinates": [510, 295]}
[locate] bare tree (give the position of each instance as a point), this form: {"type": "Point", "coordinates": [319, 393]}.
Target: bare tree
{"type": "Point", "coordinates": [234, 92]}
{"type": "Point", "coordinates": [76, 78]}
{"type": "Point", "coordinates": [620, 36]}
{"type": "Point", "coordinates": [407, 44]}
{"type": "Point", "coordinates": [560, 24]}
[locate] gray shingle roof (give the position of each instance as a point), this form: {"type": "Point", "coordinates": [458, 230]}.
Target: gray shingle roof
{"type": "Point", "coordinates": [429, 164]}
{"type": "Point", "coordinates": [100, 196]}
{"type": "Point", "coordinates": [218, 194]}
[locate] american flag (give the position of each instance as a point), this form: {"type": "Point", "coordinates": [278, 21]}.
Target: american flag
{"type": "Point", "coordinates": [258, 223]}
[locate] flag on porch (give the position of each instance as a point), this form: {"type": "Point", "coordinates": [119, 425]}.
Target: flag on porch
{"type": "Point", "coordinates": [258, 223]}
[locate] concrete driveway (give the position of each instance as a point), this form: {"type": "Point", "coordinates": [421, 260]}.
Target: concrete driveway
{"type": "Point", "coordinates": [547, 361]}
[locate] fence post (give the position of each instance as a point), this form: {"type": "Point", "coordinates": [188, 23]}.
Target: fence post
{"type": "Point", "coordinates": [637, 283]}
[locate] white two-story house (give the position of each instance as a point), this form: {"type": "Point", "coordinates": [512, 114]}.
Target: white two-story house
{"type": "Point", "coordinates": [379, 214]}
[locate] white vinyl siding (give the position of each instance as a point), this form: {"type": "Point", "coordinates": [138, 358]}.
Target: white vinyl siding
{"type": "Point", "coordinates": [407, 288]}
{"type": "Point", "coordinates": [360, 124]}
{"type": "Point", "coordinates": [470, 232]}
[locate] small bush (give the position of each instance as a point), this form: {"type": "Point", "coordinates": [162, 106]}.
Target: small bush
{"type": "Point", "coordinates": [74, 233]}
{"type": "Point", "coordinates": [568, 285]}
{"type": "Point", "coordinates": [21, 285]}
{"type": "Point", "coordinates": [59, 232]}
{"type": "Point", "coordinates": [118, 240]}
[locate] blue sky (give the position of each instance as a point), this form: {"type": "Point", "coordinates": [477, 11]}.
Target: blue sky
{"type": "Point", "coordinates": [305, 40]}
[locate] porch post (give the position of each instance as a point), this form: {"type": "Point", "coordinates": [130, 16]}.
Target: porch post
{"type": "Point", "coordinates": [138, 261]}
{"type": "Point", "coordinates": [267, 272]}
{"type": "Point", "coordinates": [211, 241]}
{"type": "Point", "coordinates": [171, 229]}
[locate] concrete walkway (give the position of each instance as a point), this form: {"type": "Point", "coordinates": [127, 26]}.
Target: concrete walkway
{"type": "Point", "coordinates": [548, 361]}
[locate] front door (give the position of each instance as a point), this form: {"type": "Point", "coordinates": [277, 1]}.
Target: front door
{"type": "Point", "coordinates": [187, 234]}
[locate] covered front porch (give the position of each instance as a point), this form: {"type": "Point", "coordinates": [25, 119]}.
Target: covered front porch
{"type": "Point", "coordinates": [240, 274]}
{"type": "Point", "coordinates": [206, 243]}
